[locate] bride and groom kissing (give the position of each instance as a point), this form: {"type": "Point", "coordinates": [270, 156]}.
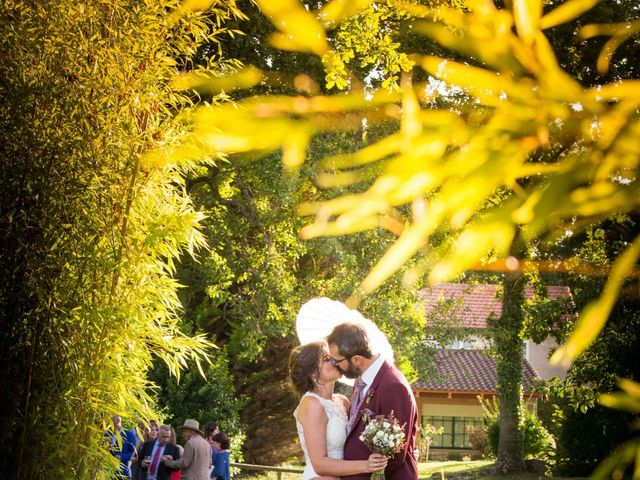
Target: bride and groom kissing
{"type": "Point", "coordinates": [329, 425]}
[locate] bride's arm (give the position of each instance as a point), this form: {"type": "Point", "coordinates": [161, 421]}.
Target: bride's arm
{"type": "Point", "coordinates": [314, 420]}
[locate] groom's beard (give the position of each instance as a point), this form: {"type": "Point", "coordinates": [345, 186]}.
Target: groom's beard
{"type": "Point", "coordinates": [351, 372]}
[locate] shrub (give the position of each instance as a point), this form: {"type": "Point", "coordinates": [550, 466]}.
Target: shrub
{"type": "Point", "coordinates": [480, 441]}
{"type": "Point", "coordinates": [587, 438]}
{"type": "Point", "coordinates": [538, 442]}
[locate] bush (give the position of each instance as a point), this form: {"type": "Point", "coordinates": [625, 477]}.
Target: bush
{"type": "Point", "coordinates": [538, 442]}
{"type": "Point", "coordinates": [493, 435]}
{"type": "Point", "coordinates": [480, 441]}
{"type": "Point", "coordinates": [586, 439]}
{"type": "Point", "coordinates": [454, 456]}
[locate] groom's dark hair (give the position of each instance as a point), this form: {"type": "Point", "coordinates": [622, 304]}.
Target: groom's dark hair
{"type": "Point", "coordinates": [351, 339]}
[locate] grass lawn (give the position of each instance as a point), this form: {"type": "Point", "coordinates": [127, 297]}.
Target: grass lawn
{"type": "Point", "coordinates": [441, 469]}
{"type": "Point", "coordinates": [426, 471]}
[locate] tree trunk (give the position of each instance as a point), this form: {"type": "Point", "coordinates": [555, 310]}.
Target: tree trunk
{"type": "Point", "coordinates": [509, 348]}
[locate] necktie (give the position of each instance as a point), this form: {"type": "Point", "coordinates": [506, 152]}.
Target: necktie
{"type": "Point", "coordinates": [154, 461]}
{"type": "Point", "coordinates": [356, 398]}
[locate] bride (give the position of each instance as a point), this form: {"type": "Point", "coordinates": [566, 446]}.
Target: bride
{"type": "Point", "coordinates": [321, 416]}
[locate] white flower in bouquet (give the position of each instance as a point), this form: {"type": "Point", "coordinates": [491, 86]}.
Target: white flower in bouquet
{"type": "Point", "coordinates": [384, 436]}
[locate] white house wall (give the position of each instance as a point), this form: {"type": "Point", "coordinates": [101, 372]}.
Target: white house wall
{"type": "Point", "coordinates": [538, 357]}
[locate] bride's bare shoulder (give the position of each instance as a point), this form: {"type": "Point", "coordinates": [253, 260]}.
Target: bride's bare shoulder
{"type": "Point", "coordinates": [309, 406]}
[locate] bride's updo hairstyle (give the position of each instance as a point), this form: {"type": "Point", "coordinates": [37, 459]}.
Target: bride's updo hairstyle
{"type": "Point", "coordinates": [303, 363]}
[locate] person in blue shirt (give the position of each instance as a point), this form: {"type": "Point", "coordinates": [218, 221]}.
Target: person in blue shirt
{"type": "Point", "coordinates": [221, 468]}
{"type": "Point", "coordinates": [123, 444]}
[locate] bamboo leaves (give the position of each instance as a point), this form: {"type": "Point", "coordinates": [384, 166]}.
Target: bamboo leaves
{"type": "Point", "coordinates": [455, 161]}
{"type": "Point", "coordinates": [102, 227]}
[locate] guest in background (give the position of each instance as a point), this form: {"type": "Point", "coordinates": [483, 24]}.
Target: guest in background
{"type": "Point", "coordinates": [123, 444]}
{"type": "Point", "coordinates": [153, 451]}
{"type": "Point", "coordinates": [196, 459]}
{"type": "Point", "coordinates": [221, 466]}
{"type": "Point", "coordinates": [210, 429]}
{"type": "Point", "coordinates": [152, 433]}
{"type": "Point", "coordinates": [175, 475]}
{"type": "Point", "coordinates": [143, 433]}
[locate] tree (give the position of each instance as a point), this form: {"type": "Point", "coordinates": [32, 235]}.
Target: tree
{"type": "Point", "coordinates": [509, 367]}
{"type": "Point", "coordinates": [586, 433]}
{"type": "Point", "coordinates": [90, 232]}
{"type": "Point", "coordinates": [529, 119]}
{"type": "Point", "coordinates": [247, 289]}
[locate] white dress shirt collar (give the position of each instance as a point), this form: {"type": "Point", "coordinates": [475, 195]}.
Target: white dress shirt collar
{"type": "Point", "coordinates": [369, 375]}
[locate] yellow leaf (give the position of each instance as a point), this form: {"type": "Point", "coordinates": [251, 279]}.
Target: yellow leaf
{"type": "Point", "coordinates": [614, 91]}
{"type": "Point", "coordinates": [620, 401]}
{"type": "Point", "coordinates": [410, 125]}
{"type": "Point", "coordinates": [412, 239]}
{"type": "Point", "coordinates": [325, 210]}
{"type": "Point", "coordinates": [471, 246]}
{"type": "Point", "coordinates": [338, 228]}
{"type": "Point", "coordinates": [342, 179]}
{"type": "Point", "coordinates": [480, 82]}
{"type": "Point", "coordinates": [369, 154]}
{"type": "Point", "coordinates": [595, 315]}
{"type": "Point", "coordinates": [209, 82]}
{"type": "Point", "coordinates": [629, 386]}
{"type": "Point", "coordinates": [527, 15]}
{"type": "Point", "coordinates": [295, 146]}
{"type": "Point", "coordinates": [189, 6]}
{"type": "Point", "coordinates": [299, 29]}
{"type": "Point", "coordinates": [566, 12]}
{"type": "Point", "coordinates": [338, 10]}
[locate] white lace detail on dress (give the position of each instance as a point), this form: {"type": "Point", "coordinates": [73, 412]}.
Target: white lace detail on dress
{"type": "Point", "coordinates": [336, 431]}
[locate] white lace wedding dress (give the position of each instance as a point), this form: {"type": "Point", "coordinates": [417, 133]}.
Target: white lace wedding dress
{"type": "Point", "coordinates": [336, 431]}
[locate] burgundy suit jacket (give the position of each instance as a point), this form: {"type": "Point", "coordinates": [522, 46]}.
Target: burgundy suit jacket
{"type": "Point", "coordinates": [389, 391]}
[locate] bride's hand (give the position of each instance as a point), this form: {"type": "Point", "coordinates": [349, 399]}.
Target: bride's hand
{"type": "Point", "coordinates": [377, 462]}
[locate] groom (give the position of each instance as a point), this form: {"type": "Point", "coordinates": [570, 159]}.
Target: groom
{"type": "Point", "coordinates": [379, 389]}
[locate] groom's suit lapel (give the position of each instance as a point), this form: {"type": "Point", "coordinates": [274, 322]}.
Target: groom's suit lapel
{"type": "Point", "coordinates": [370, 392]}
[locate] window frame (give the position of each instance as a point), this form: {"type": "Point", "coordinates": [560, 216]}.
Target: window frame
{"type": "Point", "coordinates": [458, 429]}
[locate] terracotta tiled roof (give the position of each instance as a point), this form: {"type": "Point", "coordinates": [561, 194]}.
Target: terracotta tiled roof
{"type": "Point", "coordinates": [469, 370]}
{"type": "Point", "coordinates": [475, 303]}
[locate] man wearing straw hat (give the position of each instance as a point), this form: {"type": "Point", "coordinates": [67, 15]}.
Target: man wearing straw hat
{"type": "Point", "coordinates": [196, 459]}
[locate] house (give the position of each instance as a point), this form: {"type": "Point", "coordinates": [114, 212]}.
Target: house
{"type": "Point", "coordinates": [465, 371]}
{"type": "Point", "coordinates": [452, 401]}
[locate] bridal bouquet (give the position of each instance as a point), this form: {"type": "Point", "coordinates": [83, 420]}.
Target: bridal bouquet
{"type": "Point", "coordinates": [384, 436]}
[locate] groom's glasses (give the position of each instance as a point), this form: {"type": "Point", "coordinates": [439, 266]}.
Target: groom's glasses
{"type": "Point", "coordinates": [336, 361]}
